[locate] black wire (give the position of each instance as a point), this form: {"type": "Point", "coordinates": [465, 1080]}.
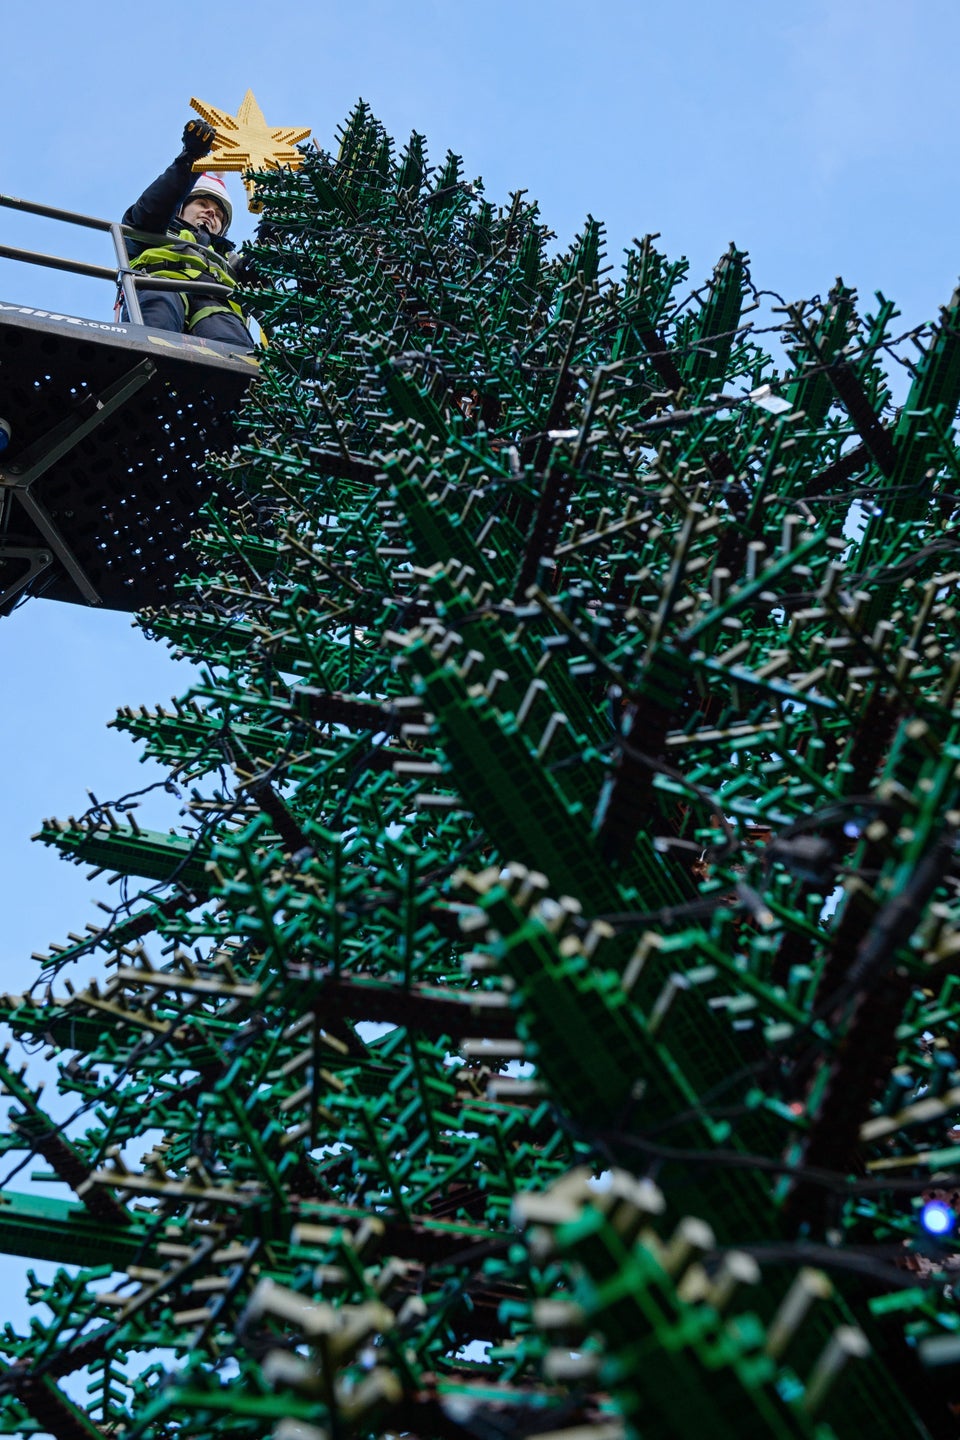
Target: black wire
{"type": "Point", "coordinates": [613, 1141]}
{"type": "Point", "coordinates": [859, 1261]}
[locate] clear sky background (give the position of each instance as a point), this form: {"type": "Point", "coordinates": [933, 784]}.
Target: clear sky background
{"type": "Point", "coordinates": [819, 135]}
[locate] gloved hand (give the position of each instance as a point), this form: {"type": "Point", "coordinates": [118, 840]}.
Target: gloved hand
{"type": "Point", "coordinates": [241, 267]}
{"type": "Point", "coordinates": [198, 138]}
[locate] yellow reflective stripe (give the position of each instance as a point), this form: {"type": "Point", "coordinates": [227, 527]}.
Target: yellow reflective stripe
{"type": "Point", "coordinates": [229, 307]}
{"type": "Point", "coordinates": [194, 320]}
{"type": "Point", "coordinates": [168, 271]}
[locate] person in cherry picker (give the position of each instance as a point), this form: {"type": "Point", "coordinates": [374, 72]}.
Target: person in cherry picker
{"type": "Point", "coordinates": [195, 212]}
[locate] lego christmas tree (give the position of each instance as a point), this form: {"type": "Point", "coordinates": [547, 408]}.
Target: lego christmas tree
{"type": "Point", "coordinates": [543, 1021]}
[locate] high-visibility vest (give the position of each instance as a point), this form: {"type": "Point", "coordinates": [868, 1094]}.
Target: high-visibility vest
{"type": "Point", "coordinates": [183, 259]}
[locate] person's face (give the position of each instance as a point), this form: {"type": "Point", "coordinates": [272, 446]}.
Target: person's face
{"type": "Point", "coordinates": [204, 210]}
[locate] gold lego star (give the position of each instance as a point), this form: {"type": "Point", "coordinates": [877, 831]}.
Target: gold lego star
{"type": "Point", "coordinates": [246, 142]}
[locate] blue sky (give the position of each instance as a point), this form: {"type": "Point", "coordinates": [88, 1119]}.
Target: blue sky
{"type": "Point", "coordinates": [819, 136]}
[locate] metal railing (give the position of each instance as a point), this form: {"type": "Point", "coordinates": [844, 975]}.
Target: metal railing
{"type": "Point", "coordinates": [127, 279]}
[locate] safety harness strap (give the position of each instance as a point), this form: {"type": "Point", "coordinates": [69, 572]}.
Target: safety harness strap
{"type": "Point", "coordinates": [182, 258]}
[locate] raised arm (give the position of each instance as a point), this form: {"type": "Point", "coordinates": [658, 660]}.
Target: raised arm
{"type": "Point", "coordinates": [162, 200]}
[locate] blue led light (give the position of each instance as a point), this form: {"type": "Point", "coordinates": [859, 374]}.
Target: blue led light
{"type": "Point", "coordinates": [937, 1218]}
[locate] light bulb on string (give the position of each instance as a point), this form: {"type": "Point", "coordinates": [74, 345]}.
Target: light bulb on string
{"type": "Point", "coordinates": [937, 1218]}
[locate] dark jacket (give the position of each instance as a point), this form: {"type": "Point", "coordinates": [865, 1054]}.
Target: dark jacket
{"type": "Point", "coordinates": [162, 201]}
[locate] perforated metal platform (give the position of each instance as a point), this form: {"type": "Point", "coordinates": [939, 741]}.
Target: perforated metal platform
{"type": "Point", "coordinates": [103, 478]}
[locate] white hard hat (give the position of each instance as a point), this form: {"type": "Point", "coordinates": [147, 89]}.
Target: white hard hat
{"type": "Point", "coordinates": [212, 185]}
